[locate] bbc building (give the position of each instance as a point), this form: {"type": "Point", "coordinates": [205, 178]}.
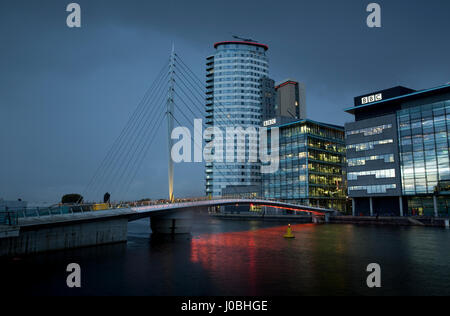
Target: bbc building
{"type": "Point", "coordinates": [398, 152]}
{"type": "Point", "coordinates": [312, 165]}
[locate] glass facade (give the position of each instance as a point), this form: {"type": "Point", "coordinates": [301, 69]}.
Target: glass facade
{"type": "Point", "coordinates": [312, 156]}
{"type": "Point", "coordinates": [424, 139]}
{"type": "Point", "coordinates": [398, 153]}
{"type": "Point", "coordinates": [424, 142]}
{"type": "Point", "coordinates": [233, 98]}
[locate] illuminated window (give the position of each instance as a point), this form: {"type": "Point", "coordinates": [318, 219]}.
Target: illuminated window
{"type": "Point", "coordinates": [379, 174]}
{"type": "Point", "coordinates": [369, 145]}
{"type": "Point", "coordinates": [361, 161]}
{"type": "Point", "coordinates": [373, 188]}
{"type": "Point", "coordinates": [370, 130]}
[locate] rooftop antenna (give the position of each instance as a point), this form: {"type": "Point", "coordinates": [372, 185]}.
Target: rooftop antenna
{"type": "Point", "coordinates": [244, 39]}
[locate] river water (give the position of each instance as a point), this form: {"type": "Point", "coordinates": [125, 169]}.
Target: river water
{"type": "Point", "coordinates": [226, 257]}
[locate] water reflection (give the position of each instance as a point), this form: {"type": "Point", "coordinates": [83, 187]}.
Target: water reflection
{"type": "Point", "coordinates": [246, 258]}
{"type": "Point", "coordinates": [262, 262]}
{"type": "Point", "coordinates": [324, 260]}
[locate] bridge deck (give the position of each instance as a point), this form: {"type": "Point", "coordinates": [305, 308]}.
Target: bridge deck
{"type": "Point", "coordinates": [144, 211]}
{"type": "Point", "coordinates": [135, 213]}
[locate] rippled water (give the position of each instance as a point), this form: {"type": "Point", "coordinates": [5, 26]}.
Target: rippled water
{"type": "Point", "coordinates": [223, 257]}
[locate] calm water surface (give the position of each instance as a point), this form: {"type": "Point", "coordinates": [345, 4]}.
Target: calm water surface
{"type": "Point", "coordinates": [223, 257]}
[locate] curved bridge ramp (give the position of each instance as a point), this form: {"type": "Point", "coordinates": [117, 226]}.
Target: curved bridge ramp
{"type": "Point", "coordinates": [153, 210]}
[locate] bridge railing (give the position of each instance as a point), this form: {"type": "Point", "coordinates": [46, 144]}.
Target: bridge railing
{"type": "Point", "coordinates": [47, 211]}
{"type": "Point", "coordinates": [253, 201]}
{"type": "Point", "coordinates": [195, 199]}
{"type": "Point", "coordinates": [8, 218]}
{"type": "Point", "coordinates": [17, 213]}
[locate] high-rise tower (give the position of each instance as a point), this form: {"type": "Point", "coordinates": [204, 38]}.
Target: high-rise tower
{"type": "Point", "coordinates": [233, 98]}
{"type": "Point", "coordinates": [291, 100]}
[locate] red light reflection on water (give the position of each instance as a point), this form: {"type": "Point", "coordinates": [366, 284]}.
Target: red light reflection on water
{"type": "Point", "coordinates": [244, 255]}
{"type": "Point", "coordinates": [292, 209]}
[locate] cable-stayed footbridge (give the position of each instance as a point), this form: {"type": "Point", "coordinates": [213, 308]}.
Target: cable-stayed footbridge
{"type": "Point", "coordinates": [176, 96]}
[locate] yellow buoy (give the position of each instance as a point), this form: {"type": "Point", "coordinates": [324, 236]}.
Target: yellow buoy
{"type": "Point", "coordinates": [289, 232]}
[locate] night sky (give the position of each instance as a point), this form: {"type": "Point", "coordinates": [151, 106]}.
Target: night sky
{"type": "Point", "coordinates": [65, 94]}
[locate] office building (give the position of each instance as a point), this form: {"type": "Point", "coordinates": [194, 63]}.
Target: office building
{"type": "Point", "coordinates": [312, 161]}
{"type": "Point", "coordinates": [233, 98]}
{"type": "Point", "coordinates": [290, 99]}
{"type": "Point", "coordinates": [398, 152]}
{"type": "Point", "coordinates": [287, 100]}
{"type": "Point", "coordinates": [268, 98]}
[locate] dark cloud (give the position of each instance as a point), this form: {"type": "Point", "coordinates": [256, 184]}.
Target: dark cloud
{"type": "Point", "coordinates": [66, 93]}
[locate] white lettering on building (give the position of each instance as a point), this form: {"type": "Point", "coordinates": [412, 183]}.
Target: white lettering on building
{"type": "Point", "coordinates": [270, 122]}
{"type": "Point", "coordinates": [372, 98]}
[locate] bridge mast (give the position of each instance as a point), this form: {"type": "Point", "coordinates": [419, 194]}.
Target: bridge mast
{"type": "Point", "coordinates": [170, 109]}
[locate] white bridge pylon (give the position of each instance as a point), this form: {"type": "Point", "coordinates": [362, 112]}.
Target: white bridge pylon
{"type": "Point", "coordinates": [169, 113]}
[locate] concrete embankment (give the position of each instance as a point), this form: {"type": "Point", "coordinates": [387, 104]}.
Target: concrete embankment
{"type": "Point", "coordinates": [392, 221]}
{"type": "Point", "coordinates": [359, 220]}
{"type": "Point", "coordinates": [47, 233]}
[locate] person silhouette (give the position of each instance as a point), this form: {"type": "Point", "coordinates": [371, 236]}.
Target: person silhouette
{"type": "Point", "coordinates": [106, 197]}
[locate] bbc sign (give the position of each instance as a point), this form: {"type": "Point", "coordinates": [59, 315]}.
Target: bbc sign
{"type": "Point", "coordinates": [372, 98]}
{"type": "Point", "coordinates": [270, 122]}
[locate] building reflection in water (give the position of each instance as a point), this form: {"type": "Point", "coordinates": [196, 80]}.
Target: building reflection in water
{"type": "Point", "coordinates": [251, 261]}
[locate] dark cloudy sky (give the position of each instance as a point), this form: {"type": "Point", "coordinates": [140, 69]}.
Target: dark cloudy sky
{"type": "Point", "coordinates": [65, 94]}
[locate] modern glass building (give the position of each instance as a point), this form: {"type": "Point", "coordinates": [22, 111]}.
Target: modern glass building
{"type": "Point", "coordinates": [233, 98]}
{"type": "Point", "coordinates": [312, 160]}
{"type": "Point", "coordinates": [398, 152]}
